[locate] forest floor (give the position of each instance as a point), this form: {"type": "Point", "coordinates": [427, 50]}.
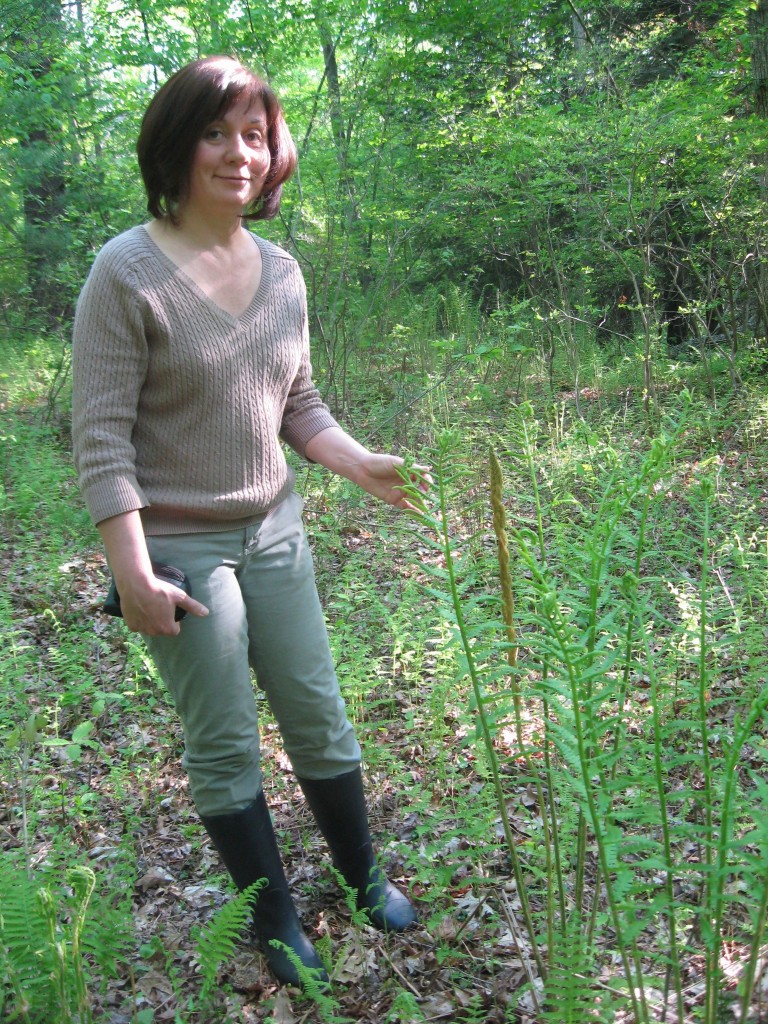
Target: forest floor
{"type": "Point", "coordinates": [120, 798]}
{"type": "Point", "coordinates": [100, 780]}
{"type": "Point", "coordinates": [462, 954]}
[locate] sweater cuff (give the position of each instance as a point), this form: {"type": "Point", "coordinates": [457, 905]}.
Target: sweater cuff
{"type": "Point", "coordinates": [108, 498]}
{"type": "Point", "coordinates": [298, 434]}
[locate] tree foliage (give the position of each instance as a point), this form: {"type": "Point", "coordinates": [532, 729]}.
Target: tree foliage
{"type": "Point", "coordinates": [599, 161]}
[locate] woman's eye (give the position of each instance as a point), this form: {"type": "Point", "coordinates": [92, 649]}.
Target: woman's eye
{"type": "Point", "coordinates": [213, 134]}
{"type": "Point", "coordinates": [255, 138]}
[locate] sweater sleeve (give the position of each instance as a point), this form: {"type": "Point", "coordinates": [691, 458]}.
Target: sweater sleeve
{"type": "Point", "coordinates": [305, 413]}
{"type": "Point", "coordinates": [109, 363]}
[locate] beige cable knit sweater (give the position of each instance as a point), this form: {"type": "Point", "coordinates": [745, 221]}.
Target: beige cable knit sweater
{"type": "Point", "coordinates": [178, 406]}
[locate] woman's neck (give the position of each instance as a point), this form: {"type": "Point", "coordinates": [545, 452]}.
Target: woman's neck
{"type": "Point", "coordinates": [201, 231]}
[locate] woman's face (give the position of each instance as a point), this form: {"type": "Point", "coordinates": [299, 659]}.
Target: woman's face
{"type": "Point", "coordinates": [231, 161]}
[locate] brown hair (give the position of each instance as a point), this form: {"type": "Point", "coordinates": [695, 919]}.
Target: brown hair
{"type": "Point", "coordinates": [179, 113]}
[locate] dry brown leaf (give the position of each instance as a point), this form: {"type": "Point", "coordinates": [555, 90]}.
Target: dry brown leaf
{"type": "Point", "coordinates": [155, 878]}
{"type": "Point", "coordinates": [438, 1007]}
{"type": "Point", "coordinates": [282, 1012]}
{"type": "Point", "coordinates": [358, 964]}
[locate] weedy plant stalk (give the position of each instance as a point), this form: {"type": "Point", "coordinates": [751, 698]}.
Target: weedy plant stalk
{"type": "Point", "coordinates": [666, 827]}
{"type": "Point", "coordinates": [760, 919]}
{"type": "Point", "coordinates": [554, 860]}
{"type": "Point", "coordinates": [551, 840]}
{"type": "Point", "coordinates": [711, 936]}
{"type": "Point", "coordinates": [439, 525]}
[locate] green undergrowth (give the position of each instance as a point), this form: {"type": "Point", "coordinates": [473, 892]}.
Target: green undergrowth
{"type": "Point", "coordinates": [623, 675]}
{"type": "Point", "coordinates": [556, 673]}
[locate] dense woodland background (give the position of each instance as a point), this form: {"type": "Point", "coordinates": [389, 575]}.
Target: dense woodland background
{"type": "Point", "coordinates": [535, 240]}
{"type": "Point", "coordinates": [575, 172]}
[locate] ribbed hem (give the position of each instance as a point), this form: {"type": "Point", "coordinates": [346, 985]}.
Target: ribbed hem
{"type": "Point", "coordinates": [164, 522]}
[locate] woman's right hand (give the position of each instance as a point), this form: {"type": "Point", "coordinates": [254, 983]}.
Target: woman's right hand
{"type": "Point", "coordinates": [148, 604]}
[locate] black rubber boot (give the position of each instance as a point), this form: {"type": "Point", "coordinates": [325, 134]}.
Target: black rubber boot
{"type": "Point", "coordinates": [246, 843]}
{"type": "Point", "coordinates": [338, 805]}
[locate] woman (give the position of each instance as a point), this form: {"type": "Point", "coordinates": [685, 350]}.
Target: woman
{"type": "Point", "coordinates": [191, 363]}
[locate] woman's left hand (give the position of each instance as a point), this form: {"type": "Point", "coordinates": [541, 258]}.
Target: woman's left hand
{"type": "Point", "coordinates": [382, 476]}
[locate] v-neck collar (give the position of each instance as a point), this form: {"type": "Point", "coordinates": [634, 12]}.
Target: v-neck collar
{"type": "Point", "coordinates": [253, 306]}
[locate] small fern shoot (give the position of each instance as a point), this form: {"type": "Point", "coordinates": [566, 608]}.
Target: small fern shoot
{"type": "Point", "coordinates": [216, 941]}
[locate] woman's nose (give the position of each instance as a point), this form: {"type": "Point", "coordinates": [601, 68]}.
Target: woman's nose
{"type": "Point", "coordinates": [237, 149]}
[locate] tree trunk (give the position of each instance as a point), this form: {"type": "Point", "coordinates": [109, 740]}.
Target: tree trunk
{"type": "Point", "coordinates": [335, 110]}
{"type": "Point", "coordinates": [42, 162]}
{"type": "Point", "coordinates": [579, 33]}
{"type": "Point", "coordinates": [758, 27]}
{"type": "Point", "coordinates": [341, 129]}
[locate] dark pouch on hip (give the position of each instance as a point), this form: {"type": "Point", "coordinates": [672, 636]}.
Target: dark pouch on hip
{"type": "Point", "coordinates": [168, 573]}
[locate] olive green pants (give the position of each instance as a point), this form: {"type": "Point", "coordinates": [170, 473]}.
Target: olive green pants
{"type": "Point", "coordinates": [265, 615]}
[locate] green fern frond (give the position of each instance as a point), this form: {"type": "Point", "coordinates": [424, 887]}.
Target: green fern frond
{"type": "Point", "coordinates": [569, 996]}
{"type": "Point", "coordinates": [47, 923]}
{"type": "Point", "coordinates": [218, 939]}
{"type": "Point", "coordinates": [319, 991]}
{"type": "Point", "coordinates": [25, 954]}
